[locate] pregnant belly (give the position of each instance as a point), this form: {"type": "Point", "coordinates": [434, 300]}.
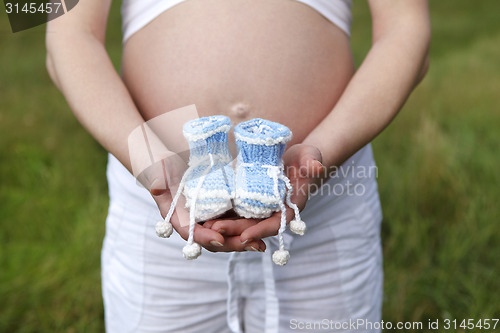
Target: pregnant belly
{"type": "Point", "coordinates": [275, 59]}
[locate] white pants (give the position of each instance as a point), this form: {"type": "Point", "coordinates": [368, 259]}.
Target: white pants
{"type": "Point", "coordinates": [333, 278]}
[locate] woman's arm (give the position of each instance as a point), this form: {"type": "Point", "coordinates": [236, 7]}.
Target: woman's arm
{"type": "Point", "coordinates": [396, 62]}
{"type": "Point", "coordinates": [80, 67]}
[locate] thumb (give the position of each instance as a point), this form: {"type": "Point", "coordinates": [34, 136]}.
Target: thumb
{"type": "Point", "coordinates": [310, 160]}
{"type": "Point", "coordinates": [158, 187]}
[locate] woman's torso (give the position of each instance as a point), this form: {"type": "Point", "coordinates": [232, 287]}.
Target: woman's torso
{"type": "Point", "coordinates": [275, 59]}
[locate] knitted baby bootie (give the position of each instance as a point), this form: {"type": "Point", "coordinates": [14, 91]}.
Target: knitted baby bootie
{"type": "Point", "coordinates": [208, 183]}
{"type": "Point", "coordinates": [261, 144]}
{"type": "Point", "coordinates": [260, 182]}
{"type": "Point", "coordinates": [209, 186]}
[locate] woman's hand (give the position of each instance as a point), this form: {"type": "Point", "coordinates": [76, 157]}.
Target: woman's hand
{"type": "Point", "coordinates": [303, 166]}
{"type": "Point", "coordinates": [162, 180]}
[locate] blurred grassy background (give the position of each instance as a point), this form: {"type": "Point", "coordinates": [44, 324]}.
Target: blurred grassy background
{"type": "Point", "coordinates": [438, 175]}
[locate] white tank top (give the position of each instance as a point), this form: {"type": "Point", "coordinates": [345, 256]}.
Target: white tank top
{"type": "Point", "coordinates": [137, 13]}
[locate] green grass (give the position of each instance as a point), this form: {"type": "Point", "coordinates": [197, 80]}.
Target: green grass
{"type": "Point", "coordinates": [438, 180]}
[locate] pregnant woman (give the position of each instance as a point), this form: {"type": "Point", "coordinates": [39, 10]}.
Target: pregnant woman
{"type": "Point", "coordinates": [283, 60]}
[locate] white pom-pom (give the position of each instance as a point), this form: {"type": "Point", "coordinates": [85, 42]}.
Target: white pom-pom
{"type": "Point", "coordinates": [298, 227]}
{"type": "Point", "coordinates": [191, 251]}
{"type": "Point", "coordinates": [164, 229]}
{"type": "Point", "coordinates": [280, 257]}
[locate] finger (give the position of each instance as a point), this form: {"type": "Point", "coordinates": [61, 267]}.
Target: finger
{"type": "Point", "coordinates": [316, 168]}
{"type": "Point", "coordinates": [309, 166]}
{"type": "Point", "coordinates": [229, 217]}
{"type": "Point", "coordinates": [265, 228]}
{"type": "Point", "coordinates": [308, 156]}
{"type": "Point", "coordinates": [208, 237]}
{"type": "Point", "coordinates": [233, 227]}
{"type": "Point", "coordinates": [262, 245]}
{"type": "Point", "coordinates": [234, 244]}
{"type": "Point", "coordinates": [158, 187]}
{"type": "Point", "coordinates": [302, 161]}
{"type": "Point", "coordinates": [180, 217]}
{"type": "Point", "coordinates": [208, 224]}
{"type": "Point", "coordinates": [162, 175]}
{"type": "Point", "coordinates": [205, 237]}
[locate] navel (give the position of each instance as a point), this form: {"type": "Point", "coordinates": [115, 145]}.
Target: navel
{"type": "Point", "coordinates": [240, 110]}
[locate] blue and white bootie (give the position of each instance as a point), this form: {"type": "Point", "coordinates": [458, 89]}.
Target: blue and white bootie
{"type": "Point", "coordinates": [208, 183]}
{"type": "Point", "coordinates": [261, 186]}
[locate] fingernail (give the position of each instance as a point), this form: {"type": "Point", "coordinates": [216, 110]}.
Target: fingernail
{"type": "Point", "coordinates": [221, 231]}
{"type": "Point", "coordinates": [216, 243]}
{"type": "Point", "coordinates": [243, 243]}
{"type": "Point", "coordinates": [261, 250]}
{"type": "Point", "coordinates": [251, 248]}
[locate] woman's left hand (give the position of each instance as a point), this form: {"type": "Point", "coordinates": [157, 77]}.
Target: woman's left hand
{"type": "Point", "coordinates": [303, 167]}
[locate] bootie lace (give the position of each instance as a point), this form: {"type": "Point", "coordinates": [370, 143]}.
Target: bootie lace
{"type": "Point", "coordinates": [208, 182]}
{"type": "Point", "coordinates": [261, 185]}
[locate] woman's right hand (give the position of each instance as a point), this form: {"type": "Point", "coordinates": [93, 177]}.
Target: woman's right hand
{"type": "Point", "coordinates": [162, 179]}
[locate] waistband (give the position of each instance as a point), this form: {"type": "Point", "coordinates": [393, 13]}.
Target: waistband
{"type": "Point", "coordinates": [138, 13]}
